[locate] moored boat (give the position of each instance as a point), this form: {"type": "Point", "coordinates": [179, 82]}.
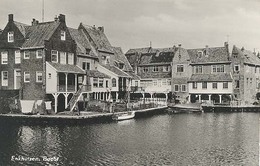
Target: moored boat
{"type": "Point", "coordinates": [124, 116]}
{"type": "Point", "coordinates": [182, 108]}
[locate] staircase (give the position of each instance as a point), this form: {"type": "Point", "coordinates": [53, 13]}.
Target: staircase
{"type": "Point", "coordinates": [75, 98]}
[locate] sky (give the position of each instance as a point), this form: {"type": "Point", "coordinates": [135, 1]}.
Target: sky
{"type": "Point", "coordinates": [163, 23]}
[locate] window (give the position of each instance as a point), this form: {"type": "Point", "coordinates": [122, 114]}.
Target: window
{"type": "Point", "coordinates": [26, 76]}
{"type": "Point", "coordinates": [183, 88]}
{"type": "Point", "coordinates": [17, 57]}
{"type": "Point", "coordinates": [95, 82]}
{"type": "Point", "coordinates": [154, 82]}
{"type": "Point", "coordinates": [145, 69]}
{"type": "Point", "coordinates": [49, 75]}
{"type": "Point", "coordinates": [136, 83]}
{"type": "Point", "coordinates": [62, 35]}
{"type": "Point", "coordinates": [63, 58]}
{"type": "Point", "coordinates": [236, 68]}
{"type": "Point", "coordinates": [225, 85]}
{"type": "Point", "coordinates": [83, 65]}
{"type": "Point", "coordinates": [204, 85]}
{"type": "Point", "coordinates": [106, 83]}
{"type": "Point", "coordinates": [237, 84]}
{"type": "Point", "coordinates": [4, 57]}
{"type": "Point", "coordinates": [88, 66]}
{"type": "Point", "coordinates": [4, 78]}
{"type": "Point", "coordinates": [54, 56]}
{"type": "Point", "coordinates": [38, 76]}
{"type": "Point", "coordinates": [194, 85]}
{"type": "Point", "coordinates": [176, 88]}
{"type": "Point", "coordinates": [218, 68]}
{"type": "Point", "coordinates": [113, 82]}
{"type": "Point", "coordinates": [165, 68]}
{"type": "Point", "coordinates": [26, 55]}
{"type": "Point", "coordinates": [39, 54]}
{"type": "Point", "coordinates": [198, 69]}
{"type": "Point", "coordinates": [215, 85]}
{"type": "Point", "coordinates": [155, 69]}
{"type": "Point", "coordinates": [169, 82]}
{"type": "Point", "coordinates": [199, 54]}
{"type": "Point", "coordinates": [100, 82]}
{"type": "Point", "coordinates": [180, 68]}
{"type": "Point", "coordinates": [164, 82]}
{"type": "Point", "coordinates": [10, 37]}
{"type": "Point", "coordinates": [71, 58]}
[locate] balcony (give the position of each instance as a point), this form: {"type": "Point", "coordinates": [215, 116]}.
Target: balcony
{"type": "Point", "coordinates": [70, 88]}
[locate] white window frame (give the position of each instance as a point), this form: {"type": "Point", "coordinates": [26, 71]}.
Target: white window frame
{"type": "Point", "coordinates": [39, 73]}
{"type": "Point", "coordinates": [238, 66]}
{"type": "Point", "coordinates": [176, 89]}
{"type": "Point", "coordinates": [224, 85]}
{"type": "Point", "coordinates": [155, 69]}
{"type": "Point", "coordinates": [185, 89]}
{"type": "Point", "coordinates": [38, 55]}
{"type": "Point", "coordinates": [180, 67]}
{"type": "Point", "coordinates": [113, 82]}
{"type": "Point", "coordinates": [145, 69]}
{"type": "Point", "coordinates": [194, 85]}
{"type": "Point", "coordinates": [214, 83]}
{"type": "Point", "coordinates": [17, 57]}
{"type": "Point", "coordinates": [3, 79]}
{"type": "Point", "coordinates": [27, 74]}
{"type": "Point", "coordinates": [26, 54]}
{"type": "Point", "coordinates": [63, 35]}
{"type": "Point", "coordinates": [95, 81]}
{"type": "Point", "coordinates": [63, 58]}
{"type": "Point", "coordinates": [204, 83]}
{"type": "Point", "coordinates": [70, 58]}
{"type": "Point", "coordinates": [54, 53]}
{"type": "Point", "coordinates": [10, 37]}
{"type": "Point", "coordinates": [4, 57]}
{"type": "Point", "coordinates": [100, 82]}
{"type": "Point", "coordinates": [165, 68]}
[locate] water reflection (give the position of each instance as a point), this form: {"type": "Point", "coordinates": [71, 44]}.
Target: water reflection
{"type": "Point", "coordinates": [178, 139]}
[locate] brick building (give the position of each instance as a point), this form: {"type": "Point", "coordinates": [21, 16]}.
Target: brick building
{"type": "Point", "coordinates": [39, 59]}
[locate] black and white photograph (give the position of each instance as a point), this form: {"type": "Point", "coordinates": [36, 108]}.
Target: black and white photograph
{"type": "Point", "coordinates": [129, 82]}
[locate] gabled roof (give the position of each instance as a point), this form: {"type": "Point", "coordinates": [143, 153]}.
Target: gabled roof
{"type": "Point", "coordinates": [248, 56]}
{"type": "Point", "coordinates": [21, 27]}
{"type": "Point", "coordinates": [66, 68]}
{"type": "Point", "coordinates": [211, 77]}
{"type": "Point", "coordinates": [36, 34]}
{"type": "Point", "coordinates": [96, 73]}
{"type": "Point", "coordinates": [210, 54]}
{"type": "Point", "coordinates": [99, 38]}
{"type": "Point", "coordinates": [82, 43]}
{"type": "Point", "coordinates": [143, 56]}
{"type": "Point", "coordinates": [116, 70]}
{"type": "Point", "coordinates": [121, 58]}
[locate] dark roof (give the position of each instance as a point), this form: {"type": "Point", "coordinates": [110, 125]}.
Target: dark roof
{"type": "Point", "coordinates": [21, 27]}
{"type": "Point", "coordinates": [82, 43]}
{"type": "Point", "coordinates": [248, 56]}
{"type": "Point", "coordinates": [120, 57]}
{"type": "Point", "coordinates": [96, 73]}
{"type": "Point", "coordinates": [99, 38]}
{"type": "Point", "coordinates": [66, 68]}
{"type": "Point", "coordinates": [134, 76]}
{"type": "Point", "coordinates": [143, 56]}
{"type": "Point", "coordinates": [116, 70]}
{"type": "Point", "coordinates": [211, 77]}
{"type": "Point", "coordinates": [210, 54]}
{"type": "Point", "coordinates": [36, 34]}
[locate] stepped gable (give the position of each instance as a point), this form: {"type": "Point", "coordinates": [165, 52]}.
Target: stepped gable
{"type": "Point", "coordinates": [99, 38]}
{"type": "Point", "coordinates": [210, 54]}
{"type": "Point", "coordinates": [36, 34]}
{"type": "Point", "coordinates": [83, 45]}
{"type": "Point", "coordinates": [121, 58]}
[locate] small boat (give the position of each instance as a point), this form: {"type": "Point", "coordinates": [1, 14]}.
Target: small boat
{"type": "Point", "coordinates": [185, 108]}
{"type": "Point", "coordinates": [124, 116]}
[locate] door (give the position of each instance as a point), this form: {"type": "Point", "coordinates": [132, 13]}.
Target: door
{"type": "Point", "coordinates": [17, 79]}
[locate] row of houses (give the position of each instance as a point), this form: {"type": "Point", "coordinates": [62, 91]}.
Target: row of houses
{"type": "Point", "coordinates": [209, 74]}
{"type": "Point", "coordinates": [48, 61]}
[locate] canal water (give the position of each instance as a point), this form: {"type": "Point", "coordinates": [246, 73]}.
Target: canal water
{"type": "Point", "coordinates": [176, 139]}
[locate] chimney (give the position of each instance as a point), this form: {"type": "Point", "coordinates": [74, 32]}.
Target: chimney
{"type": "Point", "coordinates": [56, 19]}
{"type": "Point", "coordinates": [101, 29]}
{"type": "Point", "coordinates": [34, 22]}
{"type": "Point", "coordinates": [207, 50]}
{"type": "Point", "coordinates": [62, 18]}
{"type": "Point", "coordinates": [10, 17]}
{"type": "Point", "coordinates": [242, 49]}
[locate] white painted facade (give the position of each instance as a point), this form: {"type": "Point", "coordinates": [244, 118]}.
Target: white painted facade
{"type": "Point", "coordinates": [51, 79]}
{"type": "Point", "coordinates": [210, 89]}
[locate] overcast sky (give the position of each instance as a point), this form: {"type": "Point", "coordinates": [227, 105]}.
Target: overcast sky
{"type": "Point", "coordinates": [134, 23]}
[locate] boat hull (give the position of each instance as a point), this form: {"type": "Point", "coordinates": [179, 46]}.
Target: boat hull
{"type": "Point", "coordinates": [124, 116]}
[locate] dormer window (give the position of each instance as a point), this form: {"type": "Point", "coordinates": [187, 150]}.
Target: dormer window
{"type": "Point", "coordinates": [63, 35]}
{"type": "Point", "coordinates": [10, 36]}
{"type": "Point", "coordinates": [200, 53]}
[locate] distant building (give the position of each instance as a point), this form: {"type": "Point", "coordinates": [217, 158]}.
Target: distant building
{"type": "Point", "coordinates": [153, 66]}
{"type": "Point", "coordinates": [246, 75]}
